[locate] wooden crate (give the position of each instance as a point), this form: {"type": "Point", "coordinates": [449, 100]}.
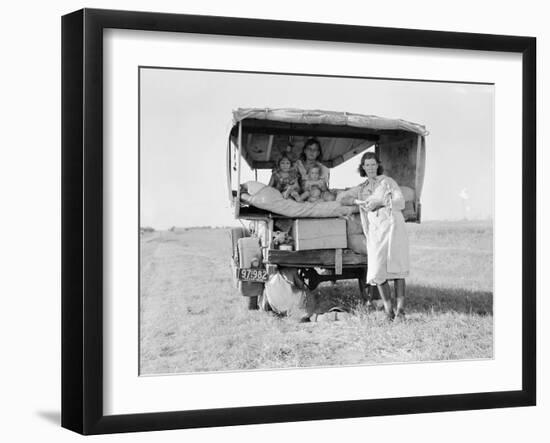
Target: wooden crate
{"type": "Point", "coordinates": [319, 233]}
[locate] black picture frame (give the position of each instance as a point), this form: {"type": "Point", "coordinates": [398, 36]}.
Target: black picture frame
{"type": "Point", "coordinates": [82, 220]}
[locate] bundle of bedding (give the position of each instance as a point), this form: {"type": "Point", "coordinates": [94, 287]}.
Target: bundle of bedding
{"type": "Point", "coordinates": [270, 199]}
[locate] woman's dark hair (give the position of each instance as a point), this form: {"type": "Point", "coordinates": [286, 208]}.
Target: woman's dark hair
{"type": "Point", "coordinates": [310, 142]}
{"type": "Point", "coordinates": [368, 156]}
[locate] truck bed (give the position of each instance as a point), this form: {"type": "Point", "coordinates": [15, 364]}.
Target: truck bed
{"type": "Point", "coordinates": [315, 257]}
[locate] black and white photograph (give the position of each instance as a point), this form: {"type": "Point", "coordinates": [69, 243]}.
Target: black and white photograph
{"type": "Point", "coordinates": [275, 221]}
{"type": "Point", "coordinates": [312, 221]}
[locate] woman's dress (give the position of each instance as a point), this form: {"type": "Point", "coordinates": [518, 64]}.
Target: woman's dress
{"type": "Point", "coordinates": [384, 228]}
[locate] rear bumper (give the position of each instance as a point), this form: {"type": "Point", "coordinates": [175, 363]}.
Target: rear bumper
{"type": "Point", "coordinates": [314, 258]}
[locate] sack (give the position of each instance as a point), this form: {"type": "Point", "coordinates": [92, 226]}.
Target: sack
{"type": "Point", "coordinates": [357, 243]}
{"type": "Point", "coordinates": [356, 239]}
{"type": "Point", "coordinates": [287, 295]}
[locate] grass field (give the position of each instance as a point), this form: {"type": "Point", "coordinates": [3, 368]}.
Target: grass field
{"type": "Point", "coordinates": [193, 320]}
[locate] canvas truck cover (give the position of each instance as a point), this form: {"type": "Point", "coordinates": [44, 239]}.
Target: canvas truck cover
{"type": "Point", "coordinates": [261, 136]}
{"type": "Point", "coordinates": [267, 133]}
{"type": "Point", "coordinates": [329, 118]}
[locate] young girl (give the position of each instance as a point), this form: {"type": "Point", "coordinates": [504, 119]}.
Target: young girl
{"type": "Point", "coordinates": [285, 179]}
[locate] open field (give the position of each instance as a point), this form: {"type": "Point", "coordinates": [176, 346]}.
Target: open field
{"type": "Point", "coordinates": [192, 319]}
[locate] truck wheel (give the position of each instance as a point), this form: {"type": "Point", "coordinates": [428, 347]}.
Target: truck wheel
{"type": "Point", "coordinates": [252, 303]}
{"type": "Point", "coordinates": [234, 278]}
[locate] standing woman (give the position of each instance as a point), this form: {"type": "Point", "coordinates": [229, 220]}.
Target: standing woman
{"type": "Point", "coordinates": [380, 204]}
{"type": "Point", "coordinates": [311, 156]}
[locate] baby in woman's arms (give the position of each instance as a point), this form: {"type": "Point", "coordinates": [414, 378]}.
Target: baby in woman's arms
{"type": "Point", "coordinates": [314, 186]}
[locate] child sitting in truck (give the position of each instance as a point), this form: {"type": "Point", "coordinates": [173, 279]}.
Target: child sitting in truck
{"type": "Point", "coordinates": [313, 186]}
{"type": "Point", "coordinates": [285, 179]}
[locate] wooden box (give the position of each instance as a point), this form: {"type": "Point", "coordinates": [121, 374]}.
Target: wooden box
{"type": "Point", "coordinates": [319, 233]}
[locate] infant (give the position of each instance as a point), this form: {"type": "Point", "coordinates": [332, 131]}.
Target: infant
{"type": "Point", "coordinates": [314, 186]}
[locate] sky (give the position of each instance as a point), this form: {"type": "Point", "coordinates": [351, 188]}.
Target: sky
{"type": "Point", "coordinates": [186, 115]}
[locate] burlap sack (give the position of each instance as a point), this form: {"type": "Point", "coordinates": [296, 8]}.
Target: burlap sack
{"type": "Point", "coordinates": [287, 295]}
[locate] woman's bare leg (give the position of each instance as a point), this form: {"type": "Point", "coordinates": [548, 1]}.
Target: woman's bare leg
{"type": "Point", "coordinates": [399, 285]}
{"type": "Point", "coordinates": [385, 295]}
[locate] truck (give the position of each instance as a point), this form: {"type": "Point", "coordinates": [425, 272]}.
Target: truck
{"type": "Point", "coordinates": [322, 243]}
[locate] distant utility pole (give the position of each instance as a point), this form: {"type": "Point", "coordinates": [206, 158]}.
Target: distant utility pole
{"type": "Point", "coordinates": [464, 197]}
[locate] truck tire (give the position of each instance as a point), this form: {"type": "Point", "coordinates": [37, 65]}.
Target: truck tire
{"type": "Point", "coordinates": [252, 303]}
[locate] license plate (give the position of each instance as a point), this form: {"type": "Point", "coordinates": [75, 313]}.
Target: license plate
{"type": "Point", "coordinates": [252, 274]}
